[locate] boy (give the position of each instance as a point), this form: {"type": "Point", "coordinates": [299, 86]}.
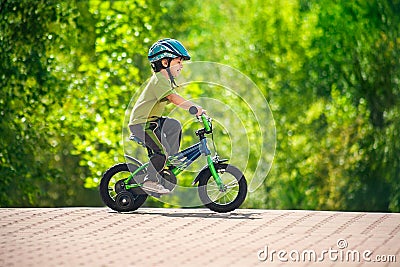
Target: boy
{"type": "Point", "coordinates": [161, 134]}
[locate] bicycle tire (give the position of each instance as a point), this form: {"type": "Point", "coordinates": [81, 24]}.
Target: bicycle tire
{"type": "Point", "coordinates": [207, 186]}
{"type": "Point", "coordinates": [108, 196]}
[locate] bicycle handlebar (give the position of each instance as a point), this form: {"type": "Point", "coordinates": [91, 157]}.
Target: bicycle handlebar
{"type": "Point", "coordinates": [206, 120]}
{"type": "Point", "coordinates": [193, 110]}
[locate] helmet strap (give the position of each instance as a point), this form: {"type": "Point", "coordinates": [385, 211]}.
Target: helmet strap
{"type": "Point", "coordinates": [171, 77]}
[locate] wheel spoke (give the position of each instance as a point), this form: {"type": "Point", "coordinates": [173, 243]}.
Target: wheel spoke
{"type": "Point", "coordinates": [228, 196]}
{"type": "Point", "coordinates": [212, 188]}
{"type": "Point", "coordinates": [233, 182]}
{"type": "Point", "coordinates": [231, 186]}
{"type": "Point", "coordinates": [213, 192]}
{"type": "Point", "coordinates": [218, 196]}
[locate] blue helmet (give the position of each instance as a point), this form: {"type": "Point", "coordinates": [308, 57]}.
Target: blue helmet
{"type": "Point", "coordinates": [167, 48]}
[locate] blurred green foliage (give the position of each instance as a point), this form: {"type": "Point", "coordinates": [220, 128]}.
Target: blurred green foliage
{"type": "Point", "coordinates": [329, 69]}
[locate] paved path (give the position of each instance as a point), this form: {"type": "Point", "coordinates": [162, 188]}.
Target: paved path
{"type": "Point", "coordinates": [197, 237]}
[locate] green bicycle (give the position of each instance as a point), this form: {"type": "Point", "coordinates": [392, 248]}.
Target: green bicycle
{"type": "Point", "coordinates": [221, 186]}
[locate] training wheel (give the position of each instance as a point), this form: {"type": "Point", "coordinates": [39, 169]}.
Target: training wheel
{"type": "Point", "coordinates": [124, 201]}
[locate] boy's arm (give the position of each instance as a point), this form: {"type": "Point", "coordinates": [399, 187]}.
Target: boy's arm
{"type": "Point", "coordinates": [183, 103]}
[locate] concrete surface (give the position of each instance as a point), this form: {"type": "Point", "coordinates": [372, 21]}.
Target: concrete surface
{"type": "Point", "coordinates": [197, 237]}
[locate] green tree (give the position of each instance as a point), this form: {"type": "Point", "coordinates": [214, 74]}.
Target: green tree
{"type": "Point", "coordinates": [33, 84]}
{"type": "Point", "coordinates": [334, 91]}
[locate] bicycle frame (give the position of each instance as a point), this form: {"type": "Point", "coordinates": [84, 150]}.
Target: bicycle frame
{"type": "Point", "coordinates": [183, 159]}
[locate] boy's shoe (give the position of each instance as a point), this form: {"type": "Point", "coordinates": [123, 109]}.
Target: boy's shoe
{"type": "Point", "coordinates": [154, 187]}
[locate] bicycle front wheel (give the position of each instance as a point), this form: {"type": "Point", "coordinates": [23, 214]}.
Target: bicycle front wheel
{"type": "Point", "coordinates": [231, 196]}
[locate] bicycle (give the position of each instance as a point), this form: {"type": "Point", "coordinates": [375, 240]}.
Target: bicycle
{"type": "Point", "coordinates": [221, 187]}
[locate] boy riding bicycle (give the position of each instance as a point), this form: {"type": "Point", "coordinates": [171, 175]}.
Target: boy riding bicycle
{"type": "Point", "coordinates": [161, 134]}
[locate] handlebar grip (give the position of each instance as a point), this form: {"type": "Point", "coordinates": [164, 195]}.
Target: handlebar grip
{"type": "Point", "coordinates": [193, 110]}
{"type": "Point", "coordinates": [207, 123]}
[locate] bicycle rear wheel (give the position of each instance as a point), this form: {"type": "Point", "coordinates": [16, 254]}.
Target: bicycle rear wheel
{"type": "Point", "coordinates": [112, 190]}
{"type": "Point", "coordinates": [234, 193]}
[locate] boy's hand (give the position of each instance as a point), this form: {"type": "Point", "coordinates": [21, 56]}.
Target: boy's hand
{"type": "Point", "coordinates": [197, 110]}
{"type": "Point", "coordinates": [200, 111]}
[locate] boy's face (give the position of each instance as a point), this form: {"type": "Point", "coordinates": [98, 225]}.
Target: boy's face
{"type": "Point", "coordinates": [176, 66]}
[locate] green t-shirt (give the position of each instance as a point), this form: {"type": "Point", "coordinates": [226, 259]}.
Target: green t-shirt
{"type": "Point", "coordinates": [152, 100]}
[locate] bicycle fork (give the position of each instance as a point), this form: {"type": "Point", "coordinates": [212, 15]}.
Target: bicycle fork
{"type": "Point", "coordinates": [215, 174]}
{"type": "Point", "coordinates": [210, 162]}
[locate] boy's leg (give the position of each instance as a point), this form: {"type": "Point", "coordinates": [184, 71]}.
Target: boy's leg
{"type": "Point", "coordinates": [158, 159]}
{"type": "Point", "coordinates": [149, 134]}
{"type": "Point", "coordinates": [171, 131]}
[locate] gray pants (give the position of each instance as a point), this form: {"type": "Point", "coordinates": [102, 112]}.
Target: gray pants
{"type": "Point", "coordinates": [163, 137]}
